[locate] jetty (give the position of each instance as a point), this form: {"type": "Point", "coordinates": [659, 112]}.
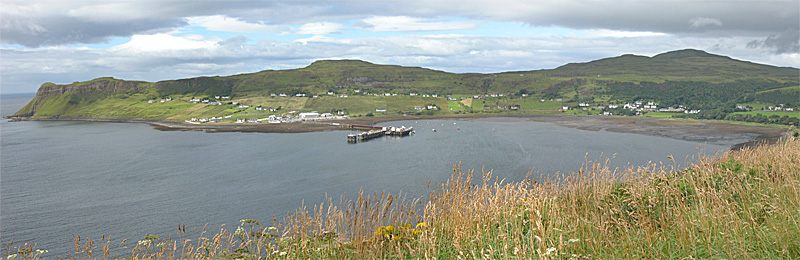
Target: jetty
{"type": "Point", "coordinates": [379, 132]}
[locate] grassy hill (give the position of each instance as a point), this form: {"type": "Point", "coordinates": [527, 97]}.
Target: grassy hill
{"type": "Point", "coordinates": [686, 77]}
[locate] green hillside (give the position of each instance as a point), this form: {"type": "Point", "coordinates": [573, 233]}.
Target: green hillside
{"type": "Point", "coordinates": [691, 78]}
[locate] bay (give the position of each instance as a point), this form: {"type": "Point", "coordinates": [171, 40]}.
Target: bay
{"type": "Point", "coordinates": [129, 180]}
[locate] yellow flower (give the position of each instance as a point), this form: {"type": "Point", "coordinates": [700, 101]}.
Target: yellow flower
{"type": "Point", "coordinates": [380, 232]}
{"type": "Point", "coordinates": [389, 228]}
{"type": "Point", "coordinates": [421, 225]}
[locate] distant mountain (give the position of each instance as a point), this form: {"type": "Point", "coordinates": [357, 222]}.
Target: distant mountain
{"type": "Point", "coordinates": [687, 77]}
{"type": "Point", "coordinates": [682, 64]}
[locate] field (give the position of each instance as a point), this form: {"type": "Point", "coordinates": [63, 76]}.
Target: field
{"type": "Point", "coordinates": [661, 114]}
{"type": "Point", "coordinates": [771, 113]}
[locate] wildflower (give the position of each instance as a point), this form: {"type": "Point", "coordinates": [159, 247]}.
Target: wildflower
{"type": "Point", "coordinates": [550, 250]}
{"type": "Point", "coordinates": [239, 231]}
{"type": "Point", "coordinates": [282, 254]}
{"type": "Point", "coordinates": [40, 251]}
{"type": "Point", "coordinates": [12, 256]}
{"type": "Point", "coordinates": [161, 245]}
{"type": "Point", "coordinates": [144, 242]}
{"type": "Point", "coordinates": [421, 225]}
{"type": "Point", "coordinates": [272, 229]}
{"type": "Point", "coordinates": [573, 240]}
{"type": "Point", "coordinates": [380, 232]}
{"type": "Point", "coordinates": [389, 228]}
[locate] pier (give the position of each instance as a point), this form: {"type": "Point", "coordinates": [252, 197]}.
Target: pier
{"type": "Point", "coordinates": [379, 132]}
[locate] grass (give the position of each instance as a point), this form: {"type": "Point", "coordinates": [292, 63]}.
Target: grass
{"type": "Point", "coordinates": [661, 114]}
{"type": "Point", "coordinates": [771, 113]}
{"type": "Point", "coordinates": [742, 205]}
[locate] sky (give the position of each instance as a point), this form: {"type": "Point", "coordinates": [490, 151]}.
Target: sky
{"type": "Point", "coordinates": [64, 41]}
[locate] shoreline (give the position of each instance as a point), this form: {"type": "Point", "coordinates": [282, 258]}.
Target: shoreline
{"type": "Point", "coordinates": [698, 131]}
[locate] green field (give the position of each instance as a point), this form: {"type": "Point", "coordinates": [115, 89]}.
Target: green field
{"type": "Point", "coordinates": [771, 113]}
{"type": "Point", "coordinates": [661, 114]}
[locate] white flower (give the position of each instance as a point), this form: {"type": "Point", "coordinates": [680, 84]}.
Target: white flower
{"type": "Point", "coordinates": [239, 231]}
{"type": "Point", "coordinates": [573, 240]}
{"type": "Point", "coordinates": [282, 254]}
{"type": "Point", "coordinates": [550, 250]}
{"type": "Point", "coordinates": [12, 256]}
{"type": "Point", "coordinates": [272, 229]}
{"type": "Point", "coordinates": [40, 251]}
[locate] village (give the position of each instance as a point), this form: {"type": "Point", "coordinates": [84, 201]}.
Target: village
{"type": "Point", "coordinates": [250, 113]}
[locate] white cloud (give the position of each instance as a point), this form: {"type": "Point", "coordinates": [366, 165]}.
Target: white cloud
{"type": "Point", "coordinates": [700, 22]}
{"type": "Point", "coordinates": [620, 34]}
{"type": "Point", "coordinates": [224, 23]}
{"type": "Point", "coordinates": [160, 43]}
{"type": "Point", "coordinates": [320, 28]}
{"type": "Point", "coordinates": [412, 24]}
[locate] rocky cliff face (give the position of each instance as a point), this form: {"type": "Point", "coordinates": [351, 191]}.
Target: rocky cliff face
{"type": "Point", "coordinates": [97, 85]}
{"type": "Point", "coordinates": [101, 85]}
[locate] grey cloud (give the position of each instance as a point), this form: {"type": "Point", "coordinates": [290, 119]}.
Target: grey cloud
{"type": "Point", "coordinates": [683, 17]}
{"type": "Point", "coordinates": [67, 30]}
{"type": "Point", "coordinates": [673, 17]}
{"type": "Point", "coordinates": [786, 42]}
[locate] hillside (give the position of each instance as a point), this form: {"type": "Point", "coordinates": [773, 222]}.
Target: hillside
{"type": "Point", "coordinates": [690, 78]}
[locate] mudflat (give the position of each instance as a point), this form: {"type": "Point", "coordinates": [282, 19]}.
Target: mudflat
{"type": "Point", "coordinates": [696, 131]}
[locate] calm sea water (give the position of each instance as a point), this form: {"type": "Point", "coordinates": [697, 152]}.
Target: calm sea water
{"type": "Point", "coordinates": [128, 180]}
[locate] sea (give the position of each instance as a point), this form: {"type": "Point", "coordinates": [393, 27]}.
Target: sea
{"type": "Point", "coordinates": [128, 180]}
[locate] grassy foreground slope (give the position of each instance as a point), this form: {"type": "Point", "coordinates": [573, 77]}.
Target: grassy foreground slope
{"type": "Point", "coordinates": [744, 205]}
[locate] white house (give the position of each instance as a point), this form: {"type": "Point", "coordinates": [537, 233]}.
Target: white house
{"type": "Point", "coordinates": [309, 115]}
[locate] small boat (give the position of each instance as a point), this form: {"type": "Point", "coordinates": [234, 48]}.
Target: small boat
{"type": "Point", "coordinates": [434, 130]}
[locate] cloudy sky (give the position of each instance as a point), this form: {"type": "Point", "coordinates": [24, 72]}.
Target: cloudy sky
{"type": "Point", "coordinates": [63, 41]}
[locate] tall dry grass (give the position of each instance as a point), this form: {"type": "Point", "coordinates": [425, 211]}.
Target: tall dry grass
{"type": "Point", "coordinates": [743, 205]}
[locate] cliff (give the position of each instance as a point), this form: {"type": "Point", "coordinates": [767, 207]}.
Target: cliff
{"type": "Point", "coordinates": [93, 89]}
